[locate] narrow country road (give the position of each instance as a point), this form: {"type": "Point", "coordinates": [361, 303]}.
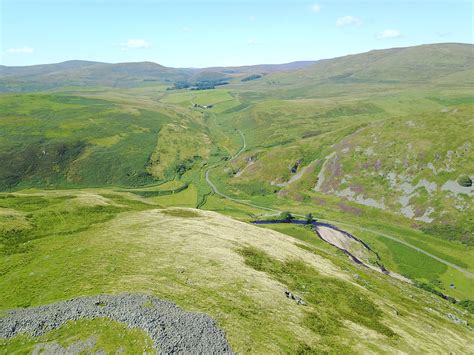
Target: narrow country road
{"type": "Point", "coordinates": [454, 266]}
{"type": "Point", "coordinates": [384, 235]}
{"type": "Point", "coordinates": [243, 148]}
{"type": "Point", "coordinates": [217, 192]}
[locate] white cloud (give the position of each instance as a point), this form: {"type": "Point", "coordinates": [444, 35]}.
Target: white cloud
{"type": "Point", "coordinates": [388, 34]}
{"type": "Point", "coordinates": [316, 8]}
{"type": "Point", "coordinates": [186, 29]}
{"type": "Point", "coordinates": [136, 43]}
{"type": "Point", "coordinates": [22, 50]}
{"type": "Point", "coordinates": [252, 18]}
{"type": "Point", "coordinates": [252, 42]}
{"type": "Point", "coordinates": [348, 21]}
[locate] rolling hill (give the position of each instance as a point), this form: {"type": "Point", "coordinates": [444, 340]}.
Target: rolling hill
{"type": "Point", "coordinates": [206, 262]}
{"type": "Point", "coordinates": [418, 64]}
{"type": "Point", "coordinates": [399, 146]}
{"type": "Point", "coordinates": [87, 73]}
{"type": "Point", "coordinates": [114, 179]}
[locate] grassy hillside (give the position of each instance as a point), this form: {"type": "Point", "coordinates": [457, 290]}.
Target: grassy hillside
{"type": "Point", "coordinates": [58, 140]}
{"type": "Point", "coordinates": [214, 264]}
{"type": "Point", "coordinates": [80, 73]}
{"type": "Point", "coordinates": [418, 64]}
{"type": "Point", "coordinates": [407, 166]}
{"type": "Point", "coordinates": [395, 146]}
{"type": "Point", "coordinates": [66, 140]}
{"type": "Point", "coordinates": [125, 75]}
{"type": "Point", "coordinates": [99, 181]}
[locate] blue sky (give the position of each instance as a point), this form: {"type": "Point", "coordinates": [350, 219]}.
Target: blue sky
{"type": "Point", "coordinates": [221, 32]}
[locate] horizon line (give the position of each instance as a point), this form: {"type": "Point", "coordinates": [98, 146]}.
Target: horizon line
{"type": "Point", "coordinates": [231, 66]}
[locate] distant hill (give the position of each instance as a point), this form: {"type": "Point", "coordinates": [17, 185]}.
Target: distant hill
{"type": "Point", "coordinates": [411, 64]}
{"type": "Point", "coordinates": [425, 63]}
{"type": "Point", "coordinates": [80, 73]}
{"type": "Point", "coordinates": [87, 73]}
{"type": "Point", "coordinates": [25, 71]}
{"type": "Point", "coordinates": [264, 68]}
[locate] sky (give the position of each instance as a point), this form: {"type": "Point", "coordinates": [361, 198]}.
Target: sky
{"type": "Point", "coordinates": [205, 33]}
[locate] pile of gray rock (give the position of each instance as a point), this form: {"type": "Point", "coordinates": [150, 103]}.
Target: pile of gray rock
{"type": "Point", "coordinates": [297, 299]}
{"type": "Point", "coordinates": [172, 329]}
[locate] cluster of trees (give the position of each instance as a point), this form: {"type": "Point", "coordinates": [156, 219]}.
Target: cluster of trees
{"type": "Point", "coordinates": [182, 85]}
{"type": "Point", "coordinates": [208, 84]}
{"type": "Point", "coordinates": [198, 85]}
{"type": "Point", "coordinates": [288, 217]}
{"type": "Point", "coordinates": [251, 77]}
{"type": "Point", "coordinates": [185, 165]}
{"type": "Point", "coordinates": [465, 181]}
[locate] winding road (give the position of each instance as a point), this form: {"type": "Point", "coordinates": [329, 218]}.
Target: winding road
{"type": "Point", "coordinates": [384, 235]}
{"type": "Point", "coordinates": [217, 192]}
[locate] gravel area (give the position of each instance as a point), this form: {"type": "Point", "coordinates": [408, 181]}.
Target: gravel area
{"type": "Point", "coordinates": [172, 329]}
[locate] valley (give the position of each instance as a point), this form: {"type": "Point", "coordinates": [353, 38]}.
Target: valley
{"type": "Point", "coordinates": [119, 179]}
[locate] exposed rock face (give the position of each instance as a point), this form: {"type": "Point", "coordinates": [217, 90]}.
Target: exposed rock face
{"type": "Point", "coordinates": [172, 329]}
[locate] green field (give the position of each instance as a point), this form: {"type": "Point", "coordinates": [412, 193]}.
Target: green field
{"type": "Point", "coordinates": [97, 183]}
